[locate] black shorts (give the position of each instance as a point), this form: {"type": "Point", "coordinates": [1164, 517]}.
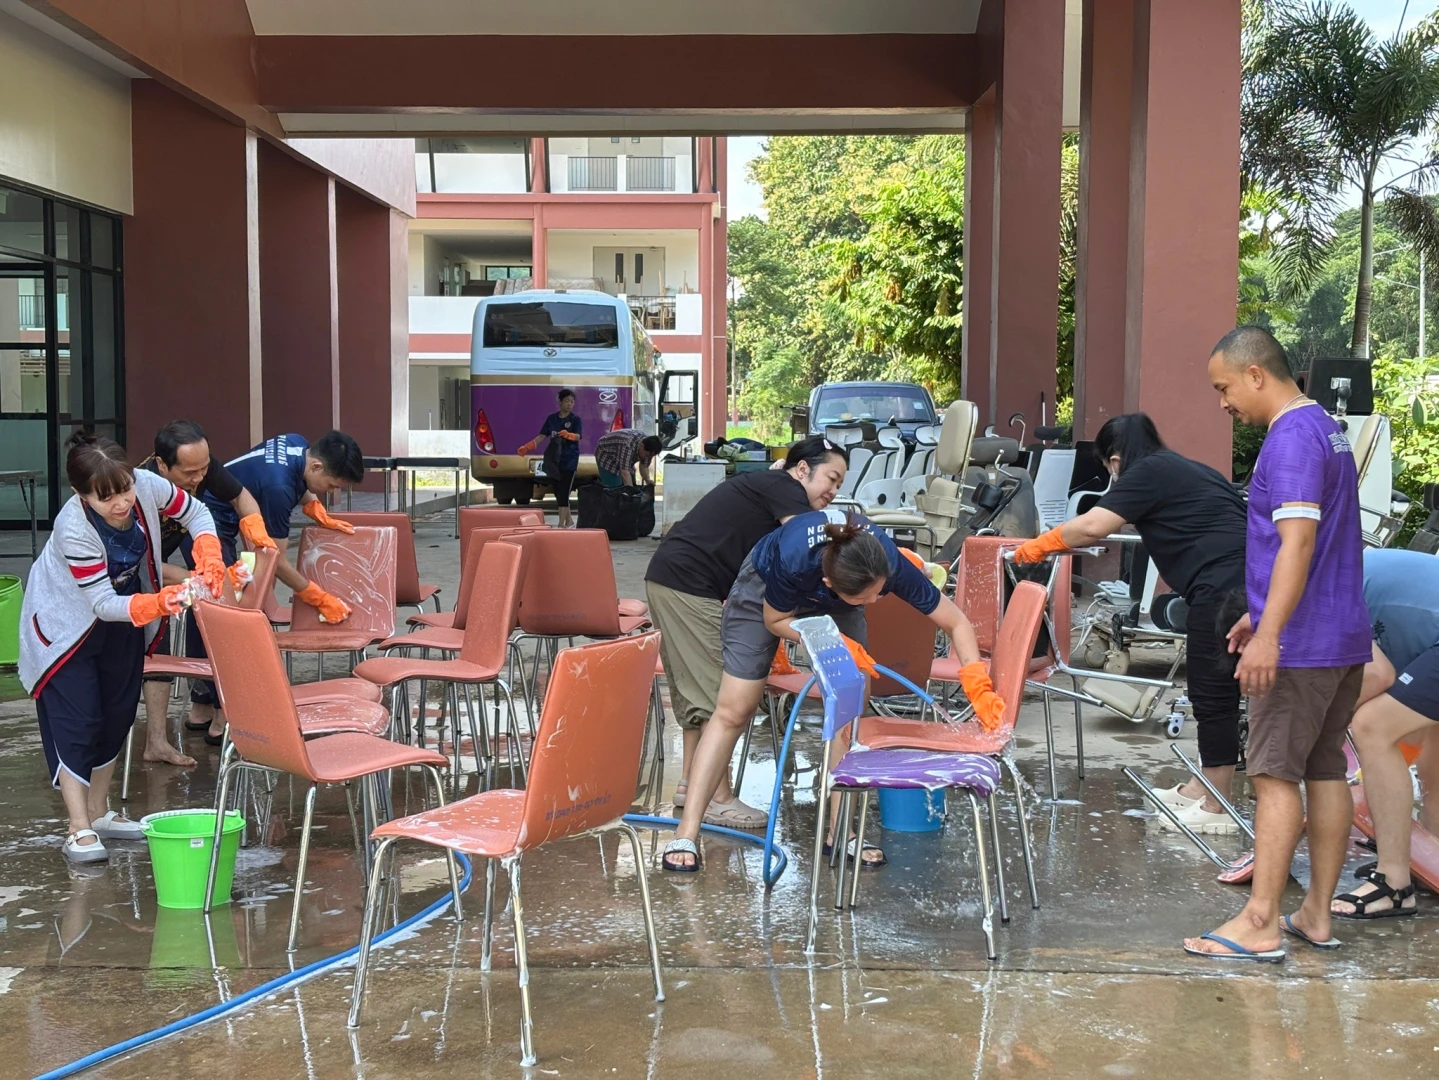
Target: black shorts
{"type": "Point", "coordinates": [747, 645]}
{"type": "Point", "coordinates": [88, 704]}
{"type": "Point", "coordinates": [1417, 686]}
{"type": "Point", "coordinates": [560, 483]}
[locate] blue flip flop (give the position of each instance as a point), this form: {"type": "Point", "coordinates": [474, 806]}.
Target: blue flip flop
{"type": "Point", "coordinates": [1286, 923]}
{"type": "Point", "coordinates": [1239, 952]}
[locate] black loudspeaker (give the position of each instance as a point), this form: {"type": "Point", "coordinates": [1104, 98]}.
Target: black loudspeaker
{"type": "Point", "coordinates": [1318, 383]}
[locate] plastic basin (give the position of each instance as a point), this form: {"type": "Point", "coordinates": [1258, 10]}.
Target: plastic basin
{"type": "Point", "coordinates": [180, 843]}
{"type": "Point", "coordinates": [911, 809]}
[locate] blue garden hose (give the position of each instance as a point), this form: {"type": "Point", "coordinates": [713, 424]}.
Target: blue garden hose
{"type": "Point", "coordinates": [300, 975]}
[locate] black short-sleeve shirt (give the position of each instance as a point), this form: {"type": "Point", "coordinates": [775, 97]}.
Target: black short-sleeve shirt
{"type": "Point", "coordinates": [1190, 518]}
{"type": "Point", "coordinates": [702, 554]}
{"type": "Point", "coordinates": [218, 482]}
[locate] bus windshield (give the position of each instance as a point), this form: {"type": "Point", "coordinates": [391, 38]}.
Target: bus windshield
{"type": "Point", "coordinates": [551, 323]}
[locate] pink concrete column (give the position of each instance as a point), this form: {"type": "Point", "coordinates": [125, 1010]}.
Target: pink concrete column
{"type": "Point", "coordinates": [1183, 217]}
{"type": "Point", "coordinates": [192, 289]}
{"type": "Point", "coordinates": [716, 294]}
{"type": "Point", "coordinates": [539, 250]}
{"type": "Point", "coordinates": [372, 246]}
{"type": "Point", "coordinates": [712, 368]}
{"type": "Point", "coordinates": [1028, 127]}
{"type": "Point", "coordinates": [704, 166]}
{"type": "Point", "coordinates": [299, 296]}
{"type": "Point", "coordinates": [1105, 99]}
{"type": "Point", "coordinates": [539, 166]}
{"type": "Point", "coordinates": [978, 255]}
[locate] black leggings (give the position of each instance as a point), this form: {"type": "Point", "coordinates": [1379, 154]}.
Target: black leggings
{"type": "Point", "coordinates": [1213, 690]}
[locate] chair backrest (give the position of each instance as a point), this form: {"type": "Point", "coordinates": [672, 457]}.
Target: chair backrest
{"type": "Point", "coordinates": [979, 591]}
{"type": "Point", "coordinates": [1009, 664]}
{"type": "Point", "coordinates": [253, 687]}
{"type": "Point", "coordinates": [359, 568]}
{"type": "Point", "coordinates": [902, 639]}
{"type": "Point", "coordinates": [858, 458]}
{"type": "Point", "coordinates": [588, 745]}
{"type": "Point", "coordinates": [493, 605]}
{"type": "Point", "coordinates": [479, 537]}
{"type": "Point", "coordinates": [956, 435]}
{"type": "Point", "coordinates": [840, 682]}
{"type": "Point", "coordinates": [263, 583]}
{"type": "Point", "coordinates": [407, 567]}
{"type": "Point", "coordinates": [489, 517]}
{"type": "Point", "coordinates": [570, 585]}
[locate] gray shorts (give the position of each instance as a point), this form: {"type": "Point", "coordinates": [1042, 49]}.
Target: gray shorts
{"type": "Point", "coordinates": [748, 646]}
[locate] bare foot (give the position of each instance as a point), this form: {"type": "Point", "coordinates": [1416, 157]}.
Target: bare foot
{"type": "Point", "coordinates": [166, 754]}
{"type": "Point", "coordinates": [1242, 931]}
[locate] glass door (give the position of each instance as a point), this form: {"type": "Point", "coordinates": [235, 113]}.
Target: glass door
{"type": "Point", "coordinates": [27, 384]}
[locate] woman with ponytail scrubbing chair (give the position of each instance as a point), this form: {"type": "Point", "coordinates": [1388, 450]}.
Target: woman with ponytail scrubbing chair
{"type": "Point", "coordinates": [821, 563]}
{"type": "Point", "coordinates": [93, 607]}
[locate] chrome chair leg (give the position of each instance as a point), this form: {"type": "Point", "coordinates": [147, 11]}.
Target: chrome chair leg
{"type": "Point", "coordinates": [487, 937]}
{"type": "Point", "coordinates": [514, 728]}
{"type": "Point", "coordinates": [1049, 741]}
{"type": "Point", "coordinates": [1025, 839]}
{"type": "Point", "coordinates": [1078, 728]}
{"type": "Point", "coordinates": [434, 775]}
{"type": "Point", "coordinates": [859, 859]}
{"type": "Point", "coordinates": [629, 830]}
{"type": "Point", "coordinates": [522, 965]}
{"type": "Point", "coordinates": [821, 822]}
{"type": "Point", "coordinates": [300, 870]}
{"type": "Point", "coordinates": [839, 845]}
{"type": "Point", "coordinates": [998, 858]}
{"type": "Point", "coordinates": [987, 917]}
{"type": "Point", "coordinates": [367, 933]}
{"type": "Point", "coordinates": [743, 756]}
{"type": "Point", "coordinates": [227, 769]}
{"type": "Point", "coordinates": [129, 749]}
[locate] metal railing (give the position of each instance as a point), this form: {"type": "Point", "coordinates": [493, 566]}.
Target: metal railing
{"type": "Point", "coordinates": [594, 174]}
{"type": "Point", "coordinates": [32, 312]}
{"type": "Point", "coordinates": [649, 173]}
{"type": "Point", "coordinates": [654, 312]}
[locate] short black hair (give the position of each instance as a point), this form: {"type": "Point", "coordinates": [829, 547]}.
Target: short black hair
{"type": "Point", "coordinates": [340, 455]}
{"type": "Point", "coordinates": [564, 393]}
{"type": "Point", "coordinates": [1131, 436]}
{"type": "Point", "coordinates": [652, 444]}
{"type": "Point", "coordinates": [175, 434]}
{"type": "Point", "coordinates": [1254, 346]}
{"type": "Point", "coordinates": [814, 451]}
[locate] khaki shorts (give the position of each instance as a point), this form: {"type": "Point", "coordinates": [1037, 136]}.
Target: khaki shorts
{"type": "Point", "coordinates": [1296, 731]}
{"type": "Point", "coordinates": [690, 649]}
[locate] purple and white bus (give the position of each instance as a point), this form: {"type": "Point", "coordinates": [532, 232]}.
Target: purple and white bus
{"type": "Point", "coordinates": [525, 347]}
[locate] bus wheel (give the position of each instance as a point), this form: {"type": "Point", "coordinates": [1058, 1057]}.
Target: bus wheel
{"type": "Point", "coordinates": [504, 491]}
{"type": "Point", "coordinates": [523, 493]}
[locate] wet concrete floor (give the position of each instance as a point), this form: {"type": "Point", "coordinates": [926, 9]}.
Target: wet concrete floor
{"type": "Point", "coordinates": [1092, 984]}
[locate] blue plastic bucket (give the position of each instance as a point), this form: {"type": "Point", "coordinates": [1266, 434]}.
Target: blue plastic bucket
{"type": "Point", "coordinates": [911, 809]}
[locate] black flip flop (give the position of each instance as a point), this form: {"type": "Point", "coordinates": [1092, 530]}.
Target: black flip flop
{"type": "Point", "coordinates": [213, 740]}
{"type": "Point", "coordinates": [197, 727]}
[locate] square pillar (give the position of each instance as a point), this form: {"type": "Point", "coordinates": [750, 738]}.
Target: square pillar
{"type": "Point", "coordinates": [192, 274]}
{"type": "Point", "coordinates": [539, 250]}
{"type": "Point", "coordinates": [1183, 217]}
{"type": "Point", "coordinates": [539, 166]}
{"type": "Point", "coordinates": [372, 254]}
{"type": "Point", "coordinates": [1025, 255]}
{"type": "Point", "coordinates": [299, 296]}
{"type": "Point", "coordinates": [715, 289]}
{"type": "Point", "coordinates": [976, 330]}
{"type": "Point", "coordinates": [1105, 100]}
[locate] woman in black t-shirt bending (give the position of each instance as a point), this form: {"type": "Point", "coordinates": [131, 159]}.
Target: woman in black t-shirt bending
{"type": "Point", "coordinates": [692, 573]}
{"type": "Point", "coordinates": [1192, 522]}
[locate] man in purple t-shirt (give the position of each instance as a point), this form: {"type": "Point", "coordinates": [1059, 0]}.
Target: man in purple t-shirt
{"type": "Point", "coordinates": [1303, 645]}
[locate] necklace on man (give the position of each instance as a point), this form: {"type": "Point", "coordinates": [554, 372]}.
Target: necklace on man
{"type": "Point", "coordinates": [1301, 399]}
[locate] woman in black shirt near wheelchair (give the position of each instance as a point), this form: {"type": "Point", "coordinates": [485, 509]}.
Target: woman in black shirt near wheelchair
{"type": "Point", "coordinates": [1192, 522]}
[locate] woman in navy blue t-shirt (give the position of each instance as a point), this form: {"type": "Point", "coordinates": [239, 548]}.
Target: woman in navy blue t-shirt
{"type": "Point", "coordinates": [562, 455]}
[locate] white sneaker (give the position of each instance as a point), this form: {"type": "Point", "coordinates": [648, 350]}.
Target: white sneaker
{"type": "Point", "coordinates": [1172, 798]}
{"type": "Point", "coordinates": [1202, 821]}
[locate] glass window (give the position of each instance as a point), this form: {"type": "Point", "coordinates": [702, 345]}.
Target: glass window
{"type": "Point", "coordinates": [70, 336]}
{"type": "Point", "coordinates": [878, 402]}
{"type": "Point", "coordinates": [551, 323]}
{"type": "Point", "coordinates": [23, 447]}
{"type": "Point", "coordinates": [22, 306]}
{"type": "Point", "coordinates": [102, 240]}
{"type": "Point", "coordinates": [67, 232]}
{"type": "Point", "coordinates": [22, 221]}
{"type": "Point", "coordinates": [22, 383]}
{"type": "Point", "coordinates": [106, 361]}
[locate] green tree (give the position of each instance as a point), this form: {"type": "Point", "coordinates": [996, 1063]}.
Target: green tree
{"type": "Point", "coordinates": [1326, 103]}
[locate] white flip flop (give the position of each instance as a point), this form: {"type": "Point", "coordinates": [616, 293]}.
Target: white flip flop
{"type": "Point", "coordinates": [84, 853]}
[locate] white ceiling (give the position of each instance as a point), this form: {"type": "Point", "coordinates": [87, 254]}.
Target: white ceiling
{"type": "Point", "coordinates": [546, 17]}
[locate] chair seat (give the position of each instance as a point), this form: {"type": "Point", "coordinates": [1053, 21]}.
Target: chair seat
{"type": "Point", "coordinates": [312, 693]}
{"type": "Point", "coordinates": [887, 733]}
{"type": "Point", "coordinates": [181, 667]}
{"type": "Point", "coordinates": [353, 714]}
{"type": "Point", "coordinates": [320, 641]}
{"type": "Point", "coordinates": [432, 637]}
{"type": "Point", "coordinates": [433, 618]}
{"type": "Point", "coordinates": [917, 769]}
{"type": "Point", "coordinates": [280, 616]}
{"type": "Point", "coordinates": [792, 684]}
{"type": "Point", "coordinates": [335, 759]}
{"type": "Point", "coordinates": [634, 608]}
{"type": "Point", "coordinates": [427, 591]}
{"type": "Point", "coordinates": [389, 670]}
{"type": "Point", "coordinates": [945, 669]}
{"type": "Point", "coordinates": [487, 824]}
{"type": "Point", "coordinates": [630, 623]}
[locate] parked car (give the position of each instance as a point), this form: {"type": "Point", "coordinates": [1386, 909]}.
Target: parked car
{"type": "Point", "coordinates": [906, 406]}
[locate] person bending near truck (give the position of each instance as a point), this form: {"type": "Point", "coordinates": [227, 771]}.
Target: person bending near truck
{"type": "Point", "coordinates": [693, 571]}
{"type": "Point", "coordinates": [1192, 522]}
{"type": "Point", "coordinates": [182, 456]}
{"type": "Point", "coordinates": [282, 473]}
{"type": "Point", "coordinates": [562, 453]}
{"type": "Point", "coordinates": [619, 453]}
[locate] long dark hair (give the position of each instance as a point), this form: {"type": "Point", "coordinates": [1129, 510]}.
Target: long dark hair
{"type": "Point", "coordinates": [814, 451]}
{"type": "Point", "coordinates": [854, 559]}
{"type": "Point", "coordinates": [97, 466]}
{"type": "Point", "coordinates": [1131, 437]}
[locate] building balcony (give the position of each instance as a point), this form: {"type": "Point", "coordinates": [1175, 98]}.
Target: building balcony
{"type": "Point", "coordinates": [648, 165]}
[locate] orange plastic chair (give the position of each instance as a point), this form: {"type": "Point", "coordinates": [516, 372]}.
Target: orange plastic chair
{"type": "Point", "coordinates": [358, 568]}
{"type": "Point", "coordinates": [494, 517]}
{"type": "Point", "coordinates": [483, 652]}
{"type": "Point", "coordinates": [455, 619]}
{"type": "Point", "coordinates": [265, 730]}
{"type": "Point", "coordinates": [582, 778]}
{"type": "Point", "coordinates": [409, 592]}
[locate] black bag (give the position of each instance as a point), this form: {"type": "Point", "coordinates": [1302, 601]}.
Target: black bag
{"type": "Point", "coordinates": [591, 498]}
{"type": "Point", "coordinates": [646, 524]}
{"type": "Point", "coordinates": [620, 513]}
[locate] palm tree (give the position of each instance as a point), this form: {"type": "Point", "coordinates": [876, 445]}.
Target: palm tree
{"type": "Point", "coordinates": [1326, 103]}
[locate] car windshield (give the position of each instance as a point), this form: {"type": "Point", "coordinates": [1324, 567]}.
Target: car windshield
{"type": "Point", "coordinates": [877, 403]}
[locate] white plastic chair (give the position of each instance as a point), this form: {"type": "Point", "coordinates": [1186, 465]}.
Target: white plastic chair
{"type": "Point", "coordinates": [859, 458]}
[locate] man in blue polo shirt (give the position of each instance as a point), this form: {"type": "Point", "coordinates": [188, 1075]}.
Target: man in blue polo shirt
{"type": "Point", "coordinates": [281, 473]}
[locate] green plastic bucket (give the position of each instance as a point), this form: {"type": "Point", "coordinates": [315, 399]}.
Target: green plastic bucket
{"type": "Point", "coordinates": [11, 596]}
{"type": "Point", "coordinates": [180, 842]}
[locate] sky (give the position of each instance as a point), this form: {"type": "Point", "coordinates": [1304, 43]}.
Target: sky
{"type": "Point", "coordinates": [745, 196]}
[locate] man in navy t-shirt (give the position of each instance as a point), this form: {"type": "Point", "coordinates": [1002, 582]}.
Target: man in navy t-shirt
{"type": "Point", "coordinates": [282, 473]}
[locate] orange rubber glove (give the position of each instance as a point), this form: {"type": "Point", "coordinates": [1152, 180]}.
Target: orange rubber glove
{"type": "Point", "coordinates": [1041, 547]}
{"type": "Point", "coordinates": [331, 608]}
{"type": "Point", "coordinates": [316, 512]}
{"type": "Point", "coordinates": [780, 665]}
{"type": "Point", "coordinates": [252, 528]}
{"type": "Point", "coordinates": [988, 706]}
{"type": "Point", "coordinates": [862, 659]}
{"type": "Point", "coordinates": [238, 576]}
{"type": "Point", "coordinates": [149, 606]}
{"type": "Point", "coordinates": [570, 435]}
{"type": "Point", "coordinates": [209, 563]}
{"type": "Point", "coordinates": [528, 448]}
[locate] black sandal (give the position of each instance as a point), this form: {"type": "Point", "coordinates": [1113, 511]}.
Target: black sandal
{"type": "Point", "coordinates": [828, 850]}
{"type": "Point", "coordinates": [1382, 891]}
{"type": "Point", "coordinates": [681, 846]}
